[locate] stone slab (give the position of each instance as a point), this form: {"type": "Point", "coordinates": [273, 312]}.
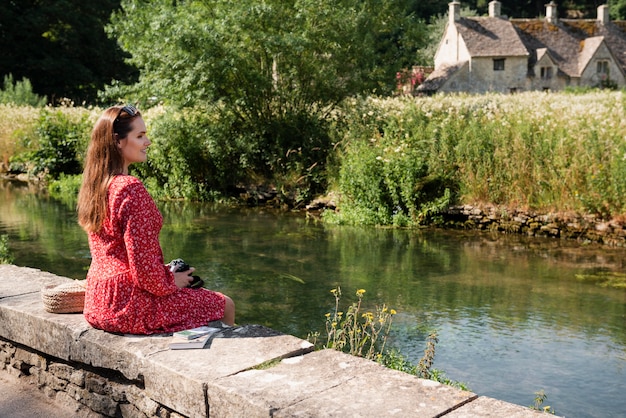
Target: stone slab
{"type": "Point", "coordinates": [237, 350]}
{"type": "Point", "coordinates": [332, 384]}
{"type": "Point", "coordinates": [17, 281]}
{"type": "Point", "coordinates": [484, 407]}
{"type": "Point", "coordinates": [24, 320]}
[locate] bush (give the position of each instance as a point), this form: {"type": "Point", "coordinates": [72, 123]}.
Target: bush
{"type": "Point", "coordinates": [58, 144]}
{"type": "Point", "coordinates": [389, 172]}
{"type": "Point", "coordinates": [204, 153]}
{"type": "Point", "coordinates": [5, 253]}
{"type": "Point", "coordinates": [192, 156]}
{"type": "Point", "coordinates": [403, 161]}
{"type": "Point", "coordinates": [20, 93]}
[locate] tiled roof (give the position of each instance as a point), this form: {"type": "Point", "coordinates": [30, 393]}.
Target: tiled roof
{"type": "Point", "coordinates": [572, 41]}
{"type": "Point", "coordinates": [589, 48]}
{"type": "Point", "coordinates": [436, 79]}
{"type": "Point", "coordinates": [490, 37]}
{"type": "Point", "coordinates": [562, 44]}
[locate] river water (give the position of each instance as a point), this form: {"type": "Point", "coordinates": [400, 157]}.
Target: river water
{"type": "Point", "coordinates": [512, 314]}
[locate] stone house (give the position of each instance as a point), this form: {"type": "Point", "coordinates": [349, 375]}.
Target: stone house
{"type": "Point", "coordinates": [498, 54]}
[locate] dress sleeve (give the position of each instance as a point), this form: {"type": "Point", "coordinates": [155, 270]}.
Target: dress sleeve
{"type": "Point", "coordinates": [141, 223]}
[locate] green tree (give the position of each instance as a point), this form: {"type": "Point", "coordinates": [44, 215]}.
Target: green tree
{"type": "Point", "coordinates": [294, 54]}
{"type": "Point", "coordinates": [618, 9]}
{"type": "Point", "coordinates": [274, 70]}
{"type": "Point", "coordinates": [60, 46]}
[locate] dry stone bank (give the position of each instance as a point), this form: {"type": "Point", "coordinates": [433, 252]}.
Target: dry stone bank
{"type": "Point", "coordinates": [584, 228]}
{"type": "Point", "coordinates": [247, 371]}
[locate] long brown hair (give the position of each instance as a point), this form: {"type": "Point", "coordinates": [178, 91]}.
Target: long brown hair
{"type": "Point", "coordinates": [102, 162]}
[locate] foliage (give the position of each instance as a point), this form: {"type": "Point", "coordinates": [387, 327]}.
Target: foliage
{"type": "Point", "coordinates": [191, 157]}
{"type": "Point", "coordinates": [359, 333]}
{"type": "Point", "coordinates": [389, 173]}
{"type": "Point", "coordinates": [618, 9]}
{"type": "Point", "coordinates": [5, 253]}
{"type": "Point", "coordinates": [16, 122]}
{"type": "Point", "coordinates": [57, 145]}
{"type": "Point", "coordinates": [364, 334]}
{"type": "Point", "coordinates": [535, 151]}
{"type": "Point", "coordinates": [20, 93]}
{"type": "Point", "coordinates": [269, 74]}
{"type": "Point", "coordinates": [65, 188]}
{"type": "Point", "coordinates": [540, 398]}
{"type": "Point", "coordinates": [61, 47]}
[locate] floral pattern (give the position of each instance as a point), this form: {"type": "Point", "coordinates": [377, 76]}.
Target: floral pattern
{"type": "Point", "coordinates": [130, 289]}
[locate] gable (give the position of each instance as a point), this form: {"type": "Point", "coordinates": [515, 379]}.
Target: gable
{"type": "Point", "coordinates": [572, 43]}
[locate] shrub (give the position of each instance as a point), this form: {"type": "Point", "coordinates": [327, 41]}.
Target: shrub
{"type": "Point", "coordinates": [389, 173]}
{"type": "Point", "coordinates": [20, 93]}
{"type": "Point", "coordinates": [192, 156]}
{"type": "Point", "coordinates": [5, 253]}
{"type": "Point", "coordinates": [58, 143]}
{"type": "Point", "coordinates": [402, 161]}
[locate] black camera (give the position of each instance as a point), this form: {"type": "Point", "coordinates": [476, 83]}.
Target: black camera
{"type": "Point", "coordinates": [179, 265]}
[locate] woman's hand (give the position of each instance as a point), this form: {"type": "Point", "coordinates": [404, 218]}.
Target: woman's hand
{"type": "Point", "coordinates": [183, 278]}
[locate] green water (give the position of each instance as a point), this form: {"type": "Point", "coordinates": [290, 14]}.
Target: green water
{"type": "Point", "coordinates": [511, 315]}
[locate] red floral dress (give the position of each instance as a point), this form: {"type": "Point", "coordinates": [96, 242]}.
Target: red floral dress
{"type": "Point", "coordinates": [130, 290]}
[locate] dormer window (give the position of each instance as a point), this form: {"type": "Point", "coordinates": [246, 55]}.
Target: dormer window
{"type": "Point", "coordinates": [603, 67]}
{"type": "Point", "coordinates": [498, 64]}
{"type": "Point", "coordinates": [546, 73]}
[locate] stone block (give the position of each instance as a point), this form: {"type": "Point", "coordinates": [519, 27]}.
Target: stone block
{"type": "Point", "coordinates": [484, 407]}
{"type": "Point", "coordinates": [62, 371]}
{"type": "Point", "coordinates": [331, 384]}
{"type": "Point", "coordinates": [24, 320]}
{"type": "Point", "coordinates": [193, 373]}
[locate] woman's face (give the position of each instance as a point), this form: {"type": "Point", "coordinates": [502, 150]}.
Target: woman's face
{"type": "Point", "coordinates": [134, 146]}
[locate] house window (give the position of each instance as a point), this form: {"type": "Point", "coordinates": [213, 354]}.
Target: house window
{"type": "Point", "coordinates": [546, 73]}
{"type": "Point", "coordinates": [603, 67]}
{"type": "Point", "coordinates": [498, 64]}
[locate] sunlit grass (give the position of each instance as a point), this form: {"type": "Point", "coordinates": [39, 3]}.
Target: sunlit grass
{"type": "Point", "coordinates": [535, 151]}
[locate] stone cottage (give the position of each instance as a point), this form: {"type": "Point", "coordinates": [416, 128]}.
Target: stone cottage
{"type": "Point", "coordinates": [495, 53]}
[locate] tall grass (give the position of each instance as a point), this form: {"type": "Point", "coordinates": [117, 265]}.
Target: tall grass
{"type": "Point", "coordinates": [535, 151]}
{"type": "Point", "coordinates": [15, 122]}
{"type": "Point", "coordinates": [399, 161]}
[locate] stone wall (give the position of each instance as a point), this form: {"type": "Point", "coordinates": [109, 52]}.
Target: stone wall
{"type": "Point", "coordinates": [586, 229]}
{"type": "Point", "coordinates": [89, 393]}
{"type": "Point", "coordinates": [245, 371]}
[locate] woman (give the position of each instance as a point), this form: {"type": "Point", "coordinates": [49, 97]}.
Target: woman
{"type": "Point", "coordinates": [129, 288]}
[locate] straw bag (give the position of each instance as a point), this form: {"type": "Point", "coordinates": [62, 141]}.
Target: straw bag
{"type": "Point", "coordinates": [64, 298]}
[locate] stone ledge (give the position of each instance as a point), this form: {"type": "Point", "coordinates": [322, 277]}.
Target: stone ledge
{"type": "Point", "coordinates": [260, 372]}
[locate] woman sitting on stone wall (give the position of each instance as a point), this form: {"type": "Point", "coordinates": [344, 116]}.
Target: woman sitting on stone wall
{"type": "Point", "coordinates": [129, 287]}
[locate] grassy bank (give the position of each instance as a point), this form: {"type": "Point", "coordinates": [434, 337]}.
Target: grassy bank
{"type": "Point", "coordinates": [391, 161]}
{"type": "Point", "coordinates": [404, 159]}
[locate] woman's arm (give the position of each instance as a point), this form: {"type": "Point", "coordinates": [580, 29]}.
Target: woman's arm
{"type": "Point", "coordinates": [142, 223]}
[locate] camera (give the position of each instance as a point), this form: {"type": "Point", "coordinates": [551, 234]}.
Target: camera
{"type": "Point", "coordinates": [180, 265]}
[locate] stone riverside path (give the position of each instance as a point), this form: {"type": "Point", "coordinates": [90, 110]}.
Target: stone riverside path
{"type": "Point", "coordinates": [249, 371]}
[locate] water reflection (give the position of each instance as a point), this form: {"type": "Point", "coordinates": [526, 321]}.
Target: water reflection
{"type": "Point", "coordinates": [511, 315]}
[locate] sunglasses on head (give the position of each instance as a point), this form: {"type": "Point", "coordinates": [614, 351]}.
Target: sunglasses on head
{"type": "Point", "coordinates": [129, 109]}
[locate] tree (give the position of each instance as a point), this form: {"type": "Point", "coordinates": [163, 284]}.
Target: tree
{"type": "Point", "coordinates": [274, 69]}
{"type": "Point", "coordinates": [618, 9]}
{"type": "Point", "coordinates": [60, 46]}
{"type": "Point", "coordinates": [291, 53]}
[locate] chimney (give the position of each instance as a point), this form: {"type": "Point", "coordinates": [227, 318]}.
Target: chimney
{"type": "Point", "coordinates": [603, 14]}
{"type": "Point", "coordinates": [551, 12]}
{"type": "Point", "coordinates": [495, 8]}
{"type": "Point", "coordinates": [455, 12]}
